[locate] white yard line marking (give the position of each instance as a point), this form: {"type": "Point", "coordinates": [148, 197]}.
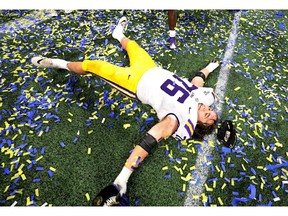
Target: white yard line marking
{"type": "Point", "coordinates": [197, 184]}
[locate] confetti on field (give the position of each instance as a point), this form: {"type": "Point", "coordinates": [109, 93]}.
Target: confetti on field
{"type": "Point", "coordinates": [36, 102]}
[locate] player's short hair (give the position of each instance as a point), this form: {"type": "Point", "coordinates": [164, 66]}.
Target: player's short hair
{"type": "Point", "coordinates": [201, 130]}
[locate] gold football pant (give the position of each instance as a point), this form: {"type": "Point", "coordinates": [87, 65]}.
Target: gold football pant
{"type": "Point", "coordinates": [125, 79]}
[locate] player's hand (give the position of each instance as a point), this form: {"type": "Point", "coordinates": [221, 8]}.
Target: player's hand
{"type": "Point", "coordinates": [122, 179]}
{"type": "Point", "coordinates": [212, 65]}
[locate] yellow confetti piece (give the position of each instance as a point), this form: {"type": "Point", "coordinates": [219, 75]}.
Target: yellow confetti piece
{"type": "Point", "coordinates": [28, 201]}
{"type": "Point", "coordinates": [221, 173]}
{"type": "Point", "coordinates": [192, 168]}
{"type": "Point", "coordinates": [204, 198]}
{"type": "Point", "coordinates": [223, 186]}
{"type": "Point", "coordinates": [220, 201]}
{"type": "Point", "coordinates": [165, 168]}
{"type": "Point", "coordinates": [40, 134]}
{"type": "Point", "coordinates": [52, 169]}
{"type": "Point", "coordinates": [89, 151]}
{"type": "Point", "coordinates": [87, 196]}
{"type": "Point", "coordinates": [10, 197]}
{"type": "Point", "coordinates": [229, 160]}
{"type": "Point", "coordinates": [269, 158]}
{"type": "Point", "coordinates": [6, 189]}
{"type": "Point", "coordinates": [23, 177]}
{"type": "Point", "coordinates": [232, 182]}
{"type": "Point", "coordinates": [37, 192]}
{"type": "Point", "coordinates": [207, 188]}
{"type": "Point", "coordinates": [126, 126]}
{"type": "Point", "coordinates": [237, 88]}
{"type": "Point", "coordinates": [184, 187]}
{"type": "Point", "coordinates": [39, 158]}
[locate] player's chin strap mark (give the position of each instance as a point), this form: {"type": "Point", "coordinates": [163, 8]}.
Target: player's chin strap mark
{"type": "Point", "coordinates": [226, 134]}
{"type": "Point", "coordinates": [148, 143]}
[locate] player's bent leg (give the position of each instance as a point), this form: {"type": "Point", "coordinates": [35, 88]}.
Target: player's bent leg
{"type": "Point", "coordinates": [138, 56]}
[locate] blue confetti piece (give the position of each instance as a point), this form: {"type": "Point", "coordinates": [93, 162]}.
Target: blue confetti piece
{"type": "Point", "coordinates": [168, 175]}
{"type": "Point", "coordinates": [253, 191]}
{"type": "Point", "coordinates": [198, 181]}
{"type": "Point", "coordinates": [272, 167]}
{"type": "Point", "coordinates": [42, 150]}
{"type": "Point", "coordinates": [137, 202]}
{"type": "Point", "coordinates": [36, 180]}
{"type": "Point", "coordinates": [281, 26]}
{"type": "Point", "coordinates": [50, 173]}
{"type": "Point", "coordinates": [226, 150]}
{"type": "Point", "coordinates": [39, 168]}
{"type": "Point", "coordinates": [29, 166]}
{"type": "Point", "coordinates": [62, 144]}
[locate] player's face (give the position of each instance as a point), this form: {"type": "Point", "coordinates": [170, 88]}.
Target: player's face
{"type": "Point", "coordinates": [206, 115]}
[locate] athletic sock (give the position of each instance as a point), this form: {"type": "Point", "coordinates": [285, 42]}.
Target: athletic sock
{"type": "Point", "coordinates": [172, 33]}
{"type": "Point", "coordinates": [118, 33]}
{"type": "Point", "coordinates": [60, 63]}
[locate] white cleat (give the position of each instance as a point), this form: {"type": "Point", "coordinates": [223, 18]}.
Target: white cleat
{"type": "Point", "coordinates": [119, 29]}
{"type": "Point", "coordinates": [42, 62]}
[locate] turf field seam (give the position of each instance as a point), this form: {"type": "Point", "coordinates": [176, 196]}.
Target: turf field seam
{"type": "Point", "coordinates": [196, 186]}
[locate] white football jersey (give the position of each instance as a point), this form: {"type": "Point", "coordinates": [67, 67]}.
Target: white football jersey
{"type": "Point", "coordinates": [169, 94]}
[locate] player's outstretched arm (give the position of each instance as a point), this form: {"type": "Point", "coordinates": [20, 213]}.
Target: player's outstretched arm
{"type": "Point", "coordinates": [147, 144]}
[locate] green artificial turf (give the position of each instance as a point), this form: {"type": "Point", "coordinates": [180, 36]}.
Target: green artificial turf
{"type": "Point", "coordinates": [81, 131]}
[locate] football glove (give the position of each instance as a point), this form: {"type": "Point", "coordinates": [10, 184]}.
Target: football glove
{"type": "Point", "coordinates": [110, 196]}
{"type": "Point", "coordinates": [212, 65]}
{"type": "Point", "coordinates": [226, 134]}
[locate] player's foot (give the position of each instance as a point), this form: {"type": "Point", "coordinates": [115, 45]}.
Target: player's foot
{"type": "Point", "coordinates": [212, 65]}
{"type": "Point", "coordinates": [119, 29]}
{"type": "Point", "coordinates": [42, 62]}
{"type": "Point", "coordinates": [172, 41]}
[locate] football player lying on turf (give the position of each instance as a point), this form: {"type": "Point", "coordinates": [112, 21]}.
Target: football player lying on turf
{"type": "Point", "coordinates": [182, 105]}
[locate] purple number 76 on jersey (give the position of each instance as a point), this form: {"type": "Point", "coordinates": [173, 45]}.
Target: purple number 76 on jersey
{"type": "Point", "coordinates": [171, 88]}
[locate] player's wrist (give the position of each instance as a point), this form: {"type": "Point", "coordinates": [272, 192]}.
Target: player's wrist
{"type": "Point", "coordinates": [124, 175]}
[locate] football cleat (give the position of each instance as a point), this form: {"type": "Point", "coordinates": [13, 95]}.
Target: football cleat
{"type": "Point", "coordinates": [122, 23]}
{"type": "Point", "coordinates": [172, 41]}
{"type": "Point", "coordinates": [226, 134]}
{"type": "Point", "coordinates": [110, 196]}
{"type": "Point", "coordinates": [42, 62]}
